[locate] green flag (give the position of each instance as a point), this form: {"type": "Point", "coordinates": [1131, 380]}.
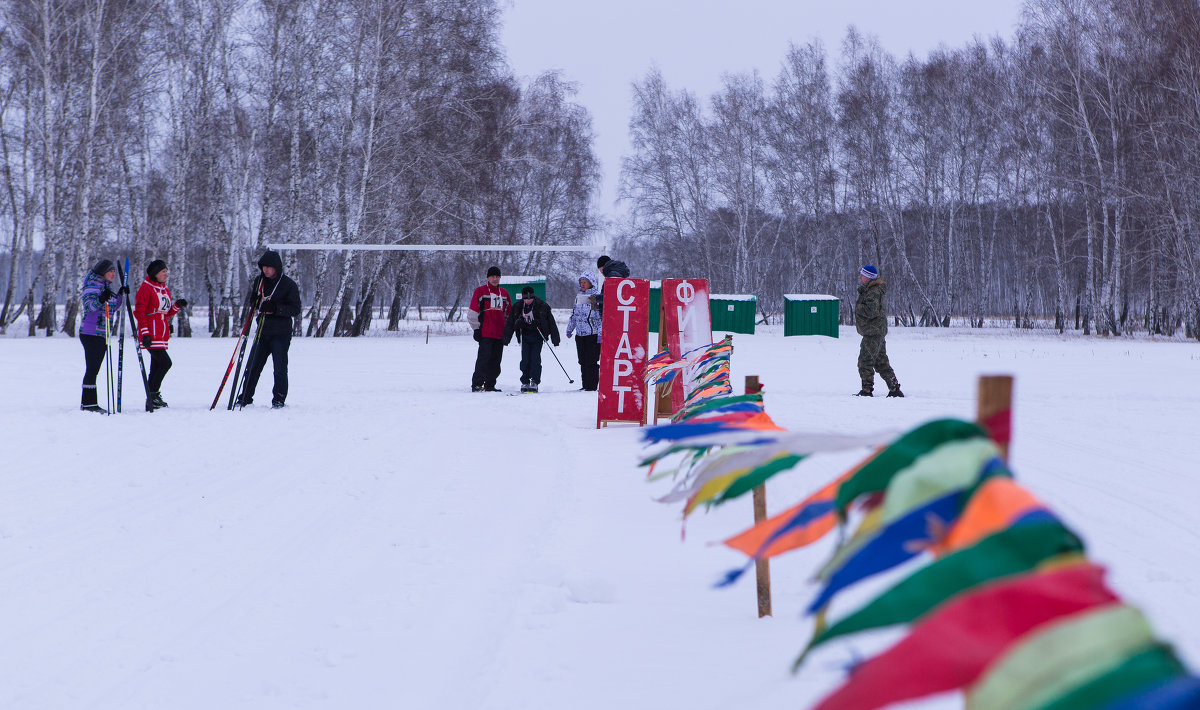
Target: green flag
{"type": "Point", "coordinates": [900, 454]}
{"type": "Point", "coordinates": [1015, 550]}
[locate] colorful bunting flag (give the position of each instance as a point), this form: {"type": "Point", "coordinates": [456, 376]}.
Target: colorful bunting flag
{"type": "Point", "coordinates": [1140, 673]}
{"type": "Point", "coordinates": [1013, 551]}
{"type": "Point", "coordinates": [901, 454]}
{"type": "Point", "coordinates": [1178, 694]}
{"type": "Point", "coordinates": [1057, 657]}
{"type": "Point", "coordinates": [953, 646]}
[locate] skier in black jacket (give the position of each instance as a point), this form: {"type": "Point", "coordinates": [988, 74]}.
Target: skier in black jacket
{"type": "Point", "coordinates": [532, 322]}
{"type": "Point", "coordinates": [609, 269]}
{"type": "Point", "coordinates": [278, 300]}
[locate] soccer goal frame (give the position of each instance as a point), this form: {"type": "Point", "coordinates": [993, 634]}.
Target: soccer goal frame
{"type": "Point", "coordinates": [595, 248]}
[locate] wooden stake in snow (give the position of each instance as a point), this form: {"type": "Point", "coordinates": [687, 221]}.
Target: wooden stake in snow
{"type": "Point", "coordinates": [995, 409]}
{"type": "Point", "coordinates": [762, 568]}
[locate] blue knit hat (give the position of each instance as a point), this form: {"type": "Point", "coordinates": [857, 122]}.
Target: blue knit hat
{"type": "Point", "coordinates": [869, 271]}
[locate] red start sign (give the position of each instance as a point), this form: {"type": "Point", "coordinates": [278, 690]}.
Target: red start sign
{"type": "Point", "coordinates": [624, 337]}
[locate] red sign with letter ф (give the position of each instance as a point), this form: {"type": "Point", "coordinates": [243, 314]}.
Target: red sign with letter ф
{"type": "Point", "coordinates": [686, 324]}
{"type": "Point", "coordinates": [625, 336]}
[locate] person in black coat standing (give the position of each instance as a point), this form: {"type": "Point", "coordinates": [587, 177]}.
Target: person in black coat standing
{"type": "Point", "coordinates": [278, 300]}
{"type": "Point", "coordinates": [532, 322]}
{"type": "Point", "coordinates": [609, 269]}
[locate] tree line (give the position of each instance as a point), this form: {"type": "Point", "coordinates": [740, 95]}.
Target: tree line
{"type": "Point", "coordinates": [197, 131]}
{"type": "Point", "coordinates": [1053, 175]}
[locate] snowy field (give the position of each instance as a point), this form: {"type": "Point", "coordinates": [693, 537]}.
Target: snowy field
{"type": "Point", "coordinates": [391, 540]}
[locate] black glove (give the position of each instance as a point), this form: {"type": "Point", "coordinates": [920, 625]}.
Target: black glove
{"type": "Point", "coordinates": [124, 290]}
{"type": "Point", "coordinates": [507, 341]}
{"type": "Point", "coordinates": [518, 334]}
{"type": "Point", "coordinates": [267, 306]}
{"type": "Point", "coordinates": [146, 342]}
{"type": "Point", "coordinates": [555, 341]}
{"type": "Point", "coordinates": [106, 294]}
{"type": "Point", "coordinates": [477, 334]}
{"type": "Point", "coordinates": [181, 303]}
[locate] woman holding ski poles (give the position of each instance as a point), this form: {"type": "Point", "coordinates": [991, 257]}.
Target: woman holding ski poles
{"type": "Point", "coordinates": [153, 310]}
{"type": "Point", "coordinates": [96, 327]}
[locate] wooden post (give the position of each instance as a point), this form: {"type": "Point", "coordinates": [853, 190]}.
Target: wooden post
{"type": "Point", "coordinates": [762, 568]}
{"type": "Point", "coordinates": [995, 409]}
{"type": "Point", "coordinates": [427, 335]}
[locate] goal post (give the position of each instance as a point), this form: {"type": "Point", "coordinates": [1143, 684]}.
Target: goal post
{"type": "Point", "coordinates": [279, 246]}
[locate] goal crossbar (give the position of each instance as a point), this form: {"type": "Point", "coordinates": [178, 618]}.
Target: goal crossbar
{"type": "Point", "coordinates": [433, 247]}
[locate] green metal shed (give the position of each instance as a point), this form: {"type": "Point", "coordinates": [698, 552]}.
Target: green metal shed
{"type": "Point", "coordinates": [514, 284]}
{"type": "Point", "coordinates": [655, 304]}
{"type": "Point", "coordinates": [810, 314]}
{"type": "Point", "coordinates": [733, 313]}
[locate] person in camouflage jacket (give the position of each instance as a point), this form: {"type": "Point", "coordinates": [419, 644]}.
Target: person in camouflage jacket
{"type": "Point", "coordinates": [870, 319]}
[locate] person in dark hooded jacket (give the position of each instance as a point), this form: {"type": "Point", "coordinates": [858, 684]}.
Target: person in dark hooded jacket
{"type": "Point", "coordinates": [532, 322]}
{"type": "Point", "coordinates": [609, 269]}
{"type": "Point", "coordinates": [277, 298]}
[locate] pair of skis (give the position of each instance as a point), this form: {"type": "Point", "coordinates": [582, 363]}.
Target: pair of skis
{"type": "Point", "coordinates": [239, 352]}
{"type": "Point", "coordinates": [121, 346]}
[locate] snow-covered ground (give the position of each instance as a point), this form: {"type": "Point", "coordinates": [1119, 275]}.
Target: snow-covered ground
{"type": "Point", "coordinates": [391, 540]}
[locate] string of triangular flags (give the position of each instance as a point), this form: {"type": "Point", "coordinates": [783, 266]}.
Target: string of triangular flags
{"type": "Point", "coordinates": [1006, 606]}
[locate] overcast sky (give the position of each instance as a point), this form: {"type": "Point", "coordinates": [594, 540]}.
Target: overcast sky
{"type": "Point", "coordinates": [605, 45]}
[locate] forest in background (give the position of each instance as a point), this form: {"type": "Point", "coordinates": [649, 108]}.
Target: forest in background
{"type": "Point", "coordinates": [1052, 176]}
{"type": "Point", "coordinates": [197, 131]}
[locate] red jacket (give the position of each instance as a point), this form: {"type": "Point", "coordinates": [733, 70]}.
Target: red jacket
{"type": "Point", "coordinates": [488, 309]}
{"type": "Point", "coordinates": [153, 308]}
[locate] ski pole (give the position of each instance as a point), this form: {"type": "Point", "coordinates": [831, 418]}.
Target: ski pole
{"type": "Point", "coordinates": [121, 339]}
{"type": "Point", "coordinates": [241, 389]}
{"type": "Point", "coordinates": [111, 396]}
{"type": "Point", "coordinates": [547, 341]}
{"type": "Point", "coordinates": [239, 345]}
{"type": "Point", "coordinates": [137, 343]}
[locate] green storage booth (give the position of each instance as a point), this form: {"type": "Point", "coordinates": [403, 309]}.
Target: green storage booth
{"type": "Point", "coordinates": [810, 314]}
{"type": "Point", "coordinates": [514, 284]}
{"type": "Point", "coordinates": [733, 313]}
{"type": "Point", "coordinates": [655, 304]}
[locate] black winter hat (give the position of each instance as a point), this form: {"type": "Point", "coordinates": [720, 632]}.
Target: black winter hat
{"type": "Point", "coordinates": [271, 258]}
{"type": "Point", "coordinates": [527, 292]}
{"type": "Point", "coordinates": [103, 266]}
{"type": "Point", "coordinates": [155, 266]}
{"type": "Point", "coordinates": [494, 271]}
{"type": "Point", "coordinates": [602, 261]}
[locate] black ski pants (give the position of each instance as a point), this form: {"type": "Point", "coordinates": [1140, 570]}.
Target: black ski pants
{"type": "Point", "coordinates": [588, 349]}
{"type": "Point", "coordinates": [487, 363]}
{"type": "Point", "coordinates": [276, 347]}
{"type": "Point", "coordinates": [531, 359]}
{"type": "Point", "coordinates": [93, 358]}
{"type": "Point", "coordinates": [160, 362]}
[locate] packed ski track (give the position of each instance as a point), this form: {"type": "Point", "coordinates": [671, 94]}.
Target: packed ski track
{"type": "Point", "coordinates": [390, 539]}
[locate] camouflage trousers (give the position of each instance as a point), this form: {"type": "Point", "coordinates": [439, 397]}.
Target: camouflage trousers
{"type": "Point", "coordinates": [872, 358]}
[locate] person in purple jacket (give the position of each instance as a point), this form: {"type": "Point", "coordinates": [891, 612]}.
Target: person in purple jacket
{"type": "Point", "coordinates": [97, 290]}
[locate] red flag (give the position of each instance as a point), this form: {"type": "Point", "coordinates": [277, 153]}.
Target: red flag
{"type": "Point", "coordinates": [952, 647]}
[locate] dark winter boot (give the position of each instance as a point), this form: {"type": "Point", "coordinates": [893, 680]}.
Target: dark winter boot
{"type": "Point", "coordinates": [476, 388]}
{"type": "Point", "coordinates": [158, 401]}
{"type": "Point", "coordinates": [276, 403]}
{"type": "Point", "coordinates": [532, 387]}
{"type": "Point", "coordinates": [895, 392]}
{"type": "Point", "coordinates": [93, 408]}
{"type": "Point", "coordinates": [243, 401]}
{"type": "Point", "coordinates": [864, 393]}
